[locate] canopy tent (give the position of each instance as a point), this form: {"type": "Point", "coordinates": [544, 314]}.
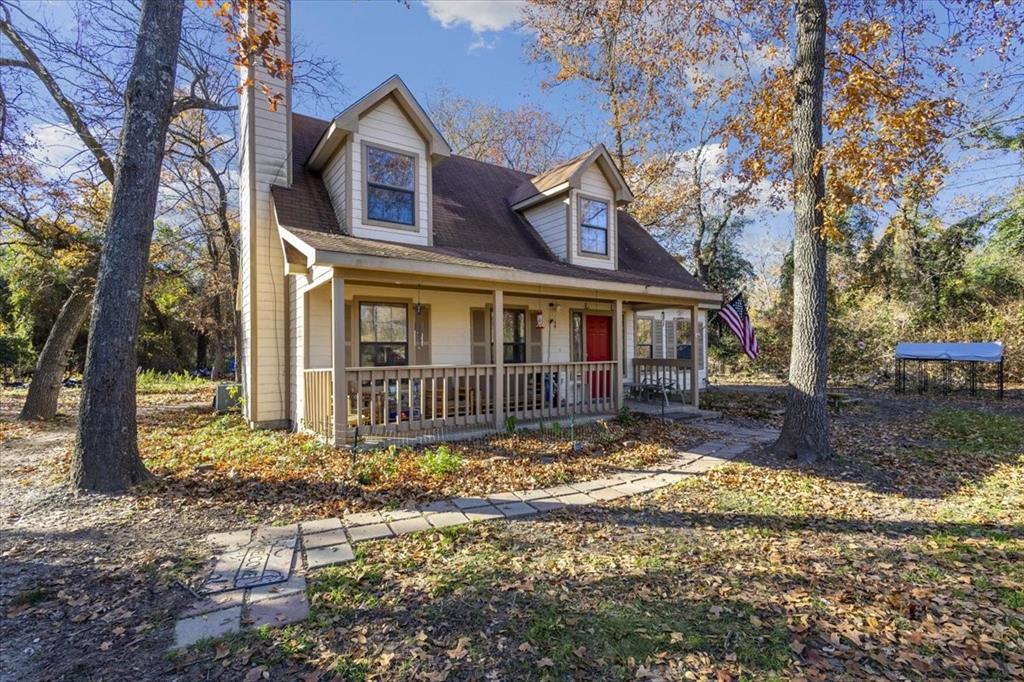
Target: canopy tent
{"type": "Point", "coordinates": [947, 354]}
{"type": "Point", "coordinates": [964, 352]}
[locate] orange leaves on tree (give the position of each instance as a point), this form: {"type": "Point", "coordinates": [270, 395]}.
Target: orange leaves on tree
{"type": "Point", "coordinates": [253, 29]}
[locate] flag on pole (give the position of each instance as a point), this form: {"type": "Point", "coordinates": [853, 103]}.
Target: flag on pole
{"type": "Point", "coordinates": [734, 315]}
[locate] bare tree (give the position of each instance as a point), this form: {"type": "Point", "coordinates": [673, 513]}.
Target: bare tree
{"type": "Point", "coordinates": [525, 139]}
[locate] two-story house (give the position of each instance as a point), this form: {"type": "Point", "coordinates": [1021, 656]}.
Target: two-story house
{"type": "Point", "coordinates": [391, 286]}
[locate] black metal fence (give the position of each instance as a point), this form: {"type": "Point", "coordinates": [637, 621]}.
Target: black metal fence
{"type": "Point", "coordinates": [950, 376]}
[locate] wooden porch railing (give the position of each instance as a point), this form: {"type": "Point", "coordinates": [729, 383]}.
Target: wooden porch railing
{"type": "Point", "coordinates": [671, 374]}
{"type": "Point", "coordinates": [559, 389]}
{"type": "Point", "coordinates": [318, 412]}
{"type": "Point", "coordinates": [419, 397]}
{"type": "Point", "coordinates": [388, 400]}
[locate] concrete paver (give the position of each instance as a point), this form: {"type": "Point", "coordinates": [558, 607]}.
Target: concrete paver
{"type": "Point", "coordinates": [513, 509]}
{"type": "Point", "coordinates": [377, 530]}
{"type": "Point", "coordinates": [409, 525]}
{"type": "Point", "coordinates": [326, 556]}
{"type": "Point", "coordinates": [445, 519]}
{"type": "Point", "coordinates": [320, 525]}
{"type": "Point", "coordinates": [331, 537]}
{"type": "Point", "coordinates": [290, 608]}
{"type": "Point", "coordinates": [188, 631]}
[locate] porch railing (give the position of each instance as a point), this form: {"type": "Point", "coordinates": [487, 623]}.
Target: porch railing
{"type": "Point", "coordinates": [559, 389]}
{"type": "Point", "coordinates": [389, 400]}
{"type": "Point", "coordinates": [419, 398]}
{"type": "Point", "coordinates": [670, 374]}
{"type": "Point", "coordinates": [318, 410]}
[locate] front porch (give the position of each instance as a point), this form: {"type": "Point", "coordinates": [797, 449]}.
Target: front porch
{"type": "Point", "coordinates": [526, 357]}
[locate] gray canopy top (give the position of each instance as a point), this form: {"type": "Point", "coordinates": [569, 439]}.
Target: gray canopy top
{"type": "Point", "coordinates": [961, 352]}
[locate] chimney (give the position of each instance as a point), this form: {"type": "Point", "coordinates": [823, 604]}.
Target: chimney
{"type": "Point", "coordinates": [265, 151]}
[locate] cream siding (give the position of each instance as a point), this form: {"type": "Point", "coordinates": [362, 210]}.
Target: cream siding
{"type": "Point", "coordinates": [388, 126]}
{"type": "Point", "coordinates": [549, 220]}
{"type": "Point", "coordinates": [335, 176]}
{"type": "Point", "coordinates": [264, 161]}
{"type": "Point", "coordinates": [296, 346]}
{"type": "Point", "coordinates": [318, 345]}
{"type": "Point", "coordinates": [593, 184]}
{"type": "Point", "coordinates": [629, 347]}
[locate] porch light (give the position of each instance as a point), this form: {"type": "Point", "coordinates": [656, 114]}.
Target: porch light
{"type": "Point", "coordinates": [540, 320]}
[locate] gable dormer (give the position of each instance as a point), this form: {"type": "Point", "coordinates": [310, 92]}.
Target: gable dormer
{"type": "Point", "coordinates": [573, 207]}
{"type": "Point", "coordinates": [376, 159]}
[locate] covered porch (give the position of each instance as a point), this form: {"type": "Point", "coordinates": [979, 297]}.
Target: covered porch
{"type": "Point", "coordinates": [429, 358]}
{"type": "Point", "coordinates": [389, 346]}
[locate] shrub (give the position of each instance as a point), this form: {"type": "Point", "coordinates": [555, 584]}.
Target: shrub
{"type": "Point", "coordinates": [440, 461]}
{"type": "Point", "coordinates": [151, 381]}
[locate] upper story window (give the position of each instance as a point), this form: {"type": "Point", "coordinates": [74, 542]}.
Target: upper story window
{"type": "Point", "coordinates": [594, 226]}
{"type": "Point", "coordinates": [390, 186]}
{"type": "Point", "coordinates": [383, 334]}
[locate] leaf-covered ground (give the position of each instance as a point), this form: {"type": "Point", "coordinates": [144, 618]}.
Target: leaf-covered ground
{"type": "Point", "coordinates": [901, 559]}
{"type": "Point", "coordinates": [280, 477]}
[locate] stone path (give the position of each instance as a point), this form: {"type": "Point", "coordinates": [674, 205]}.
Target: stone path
{"type": "Point", "coordinates": [260, 575]}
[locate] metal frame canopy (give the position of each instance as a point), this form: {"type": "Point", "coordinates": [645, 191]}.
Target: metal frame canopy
{"type": "Point", "coordinates": [946, 355]}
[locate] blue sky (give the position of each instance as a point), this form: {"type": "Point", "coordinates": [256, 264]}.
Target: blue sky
{"type": "Point", "coordinates": [472, 48]}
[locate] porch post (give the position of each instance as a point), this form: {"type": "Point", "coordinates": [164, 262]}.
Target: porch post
{"type": "Point", "coordinates": [617, 354]}
{"type": "Point", "coordinates": [498, 352]}
{"type": "Point", "coordinates": [695, 368]}
{"type": "Point", "coordinates": [339, 384]}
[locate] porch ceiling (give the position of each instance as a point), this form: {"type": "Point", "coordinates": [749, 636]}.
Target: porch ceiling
{"type": "Point", "coordinates": [452, 269]}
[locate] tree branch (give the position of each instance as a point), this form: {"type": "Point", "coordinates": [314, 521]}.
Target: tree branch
{"type": "Point", "coordinates": [67, 106]}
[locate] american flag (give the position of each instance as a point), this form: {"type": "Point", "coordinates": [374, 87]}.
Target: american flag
{"type": "Point", "coordinates": [734, 315]}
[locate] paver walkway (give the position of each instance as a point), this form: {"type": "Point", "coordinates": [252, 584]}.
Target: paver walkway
{"type": "Point", "coordinates": [260, 575]}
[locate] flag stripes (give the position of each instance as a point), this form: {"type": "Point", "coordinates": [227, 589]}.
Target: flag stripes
{"type": "Point", "coordinates": [734, 315]}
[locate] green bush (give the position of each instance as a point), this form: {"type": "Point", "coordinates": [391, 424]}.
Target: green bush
{"type": "Point", "coordinates": [151, 381]}
{"type": "Point", "coordinates": [440, 461]}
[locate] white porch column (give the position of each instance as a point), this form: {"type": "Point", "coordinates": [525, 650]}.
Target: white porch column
{"type": "Point", "coordinates": [339, 384]}
{"type": "Point", "coordinates": [695, 372]}
{"type": "Point", "coordinates": [617, 354]}
{"type": "Point", "coordinates": [498, 338]}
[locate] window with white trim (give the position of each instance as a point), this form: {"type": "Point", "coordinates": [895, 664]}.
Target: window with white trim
{"type": "Point", "coordinates": [594, 226]}
{"type": "Point", "coordinates": [383, 334]}
{"type": "Point", "coordinates": [644, 338]}
{"type": "Point", "coordinates": [390, 186]}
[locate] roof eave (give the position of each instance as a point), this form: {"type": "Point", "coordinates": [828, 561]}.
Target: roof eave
{"type": "Point", "coordinates": [487, 272]}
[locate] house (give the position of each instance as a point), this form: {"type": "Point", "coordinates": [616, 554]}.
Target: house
{"type": "Point", "coordinates": [389, 286]}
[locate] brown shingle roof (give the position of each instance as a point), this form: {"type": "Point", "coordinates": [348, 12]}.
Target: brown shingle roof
{"type": "Point", "coordinates": [473, 223]}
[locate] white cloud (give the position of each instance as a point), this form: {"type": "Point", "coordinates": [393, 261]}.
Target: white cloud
{"type": "Point", "coordinates": [58, 149]}
{"type": "Point", "coordinates": [479, 15]}
{"type": "Point", "coordinates": [720, 182]}
{"type": "Point", "coordinates": [482, 43]}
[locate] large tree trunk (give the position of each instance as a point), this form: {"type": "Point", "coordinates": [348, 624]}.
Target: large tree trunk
{"type": "Point", "coordinates": [44, 389]}
{"type": "Point", "coordinates": [107, 453]}
{"type": "Point", "coordinates": [805, 426]}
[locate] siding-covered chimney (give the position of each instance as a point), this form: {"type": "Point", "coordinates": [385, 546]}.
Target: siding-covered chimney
{"type": "Point", "coordinates": [265, 156]}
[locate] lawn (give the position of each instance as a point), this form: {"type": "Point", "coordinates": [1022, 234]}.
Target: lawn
{"type": "Point", "coordinates": [756, 571]}
{"type": "Point", "coordinates": [901, 558]}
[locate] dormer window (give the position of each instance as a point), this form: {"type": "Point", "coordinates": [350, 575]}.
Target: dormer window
{"type": "Point", "coordinates": [593, 226]}
{"type": "Point", "coordinates": [390, 186]}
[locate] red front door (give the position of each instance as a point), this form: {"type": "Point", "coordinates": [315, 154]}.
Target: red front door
{"type": "Point", "coordinates": [599, 349]}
